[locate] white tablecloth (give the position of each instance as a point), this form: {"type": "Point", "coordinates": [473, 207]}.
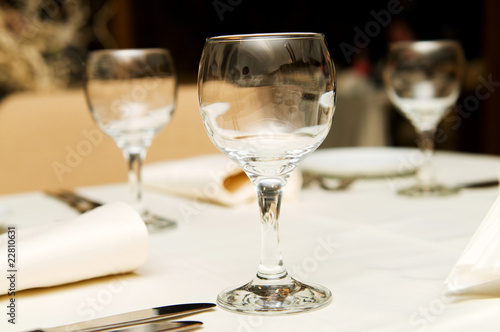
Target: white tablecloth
{"type": "Point", "coordinates": [383, 256]}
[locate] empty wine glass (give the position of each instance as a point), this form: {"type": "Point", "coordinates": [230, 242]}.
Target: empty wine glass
{"type": "Point", "coordinates": [132, 95]}
{"type": "Point", "coordinates": [423, 81]}
{"type": "Point", "coordinates": [267, 101]}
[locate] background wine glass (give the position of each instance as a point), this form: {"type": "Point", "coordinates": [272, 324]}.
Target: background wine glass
{"type": "Point", "coordinates": [267, 101]}
{"type": "Point", "coordinates": [423, 81]}
{"type": "Point", "coordinates": [132, 96]}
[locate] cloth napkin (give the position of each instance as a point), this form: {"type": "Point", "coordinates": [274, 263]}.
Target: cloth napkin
{"type": "Point", "coordinates": [214, 178]}
{"type": "Point", "coordinates": [478, 268]}
{"type": "Point", "coordinates": [110, 239]}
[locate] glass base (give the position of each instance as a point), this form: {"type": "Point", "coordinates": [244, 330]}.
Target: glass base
{"type": "Point", "coordinates": [433, 190]}
{"type": "Point", "coordinates": [274, 297]}
{"type": "Point", "coordinates": [157, 224]}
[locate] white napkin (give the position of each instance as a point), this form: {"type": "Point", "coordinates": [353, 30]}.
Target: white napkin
{"type": "Point", "coordinates": [110, 239]}
{"type": "Point", "coordinates": [478, 268]}
{"type": "Point", "coordinates": [214, 178]}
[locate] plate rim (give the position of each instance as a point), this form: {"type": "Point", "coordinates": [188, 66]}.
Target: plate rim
{"type": "Point", "coordinates": [408, 171]}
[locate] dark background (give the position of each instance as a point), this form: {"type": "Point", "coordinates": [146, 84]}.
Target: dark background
{"type": "Point", "coordinates": [183, 26]}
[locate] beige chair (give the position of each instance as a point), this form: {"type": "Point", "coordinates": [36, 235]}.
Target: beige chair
{"type": "Point", "coordinates": [49, 141]}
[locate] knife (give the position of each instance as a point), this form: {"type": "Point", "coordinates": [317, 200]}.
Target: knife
{"type": "Point", "coordinates": [161, 327]}
{"type": "Point", "coordinates": [133, 318]}
{"type": "Point", "coordinates": [157, 326]}
{"type": "Point", "coordinates": [481, 184]}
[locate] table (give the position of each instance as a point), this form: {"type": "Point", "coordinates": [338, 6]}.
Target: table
{"type": "Point", "coordinates": [383, 256]}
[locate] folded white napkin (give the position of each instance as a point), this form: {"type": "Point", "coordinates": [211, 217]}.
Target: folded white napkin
{"type": "Point", "coordinates": [110, 239]}
{"type": "Point", "coordinates": [478, 268]}
{"type": "Point", "coordinates": [214, 178]}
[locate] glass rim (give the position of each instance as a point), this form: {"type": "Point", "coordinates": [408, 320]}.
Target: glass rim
{"type": "Point", "coordinates": [129, 51]}
{"type": "Point", "coordinates": [265, 36]}
{"type": "Point", "coordinates": [425, 43]}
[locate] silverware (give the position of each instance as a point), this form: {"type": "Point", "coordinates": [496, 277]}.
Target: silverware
{"type": "Point", "coordinates": [161, 326]}
{"type": "Point", "coordinates": [329, 183]}
{"type": "Point", "coordinates": [340, 184]}
{"type": "Point", "coordinates": [480, 184]}
{"type": "Point", "coordinates": [83, 204]}
{"type": "Point", "coordinates": [79, 203]}
{"type": "Point", "coordinates": [135, 318]}
{"type": "Point", "coordinates": [344, 183]}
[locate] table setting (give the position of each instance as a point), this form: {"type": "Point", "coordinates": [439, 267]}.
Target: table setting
{"type": "Point", "coordinates": [350, 239]}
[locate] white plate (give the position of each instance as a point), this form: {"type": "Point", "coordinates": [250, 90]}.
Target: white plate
{"type": "Point", "coordinates": [362, 161]}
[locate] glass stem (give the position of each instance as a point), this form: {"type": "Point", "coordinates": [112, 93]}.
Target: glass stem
{"type": "Point", "coordinates": [135, 158]}
{"type": "Point", "coordinates": [269, 193]}
{"type": "Point", "coordinates": [425, 173]}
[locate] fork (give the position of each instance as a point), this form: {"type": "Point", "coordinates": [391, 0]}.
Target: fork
{"type": "Point", "coordinates": [340, 184]}
{"type": "Point", "coordinates": [83, 204]}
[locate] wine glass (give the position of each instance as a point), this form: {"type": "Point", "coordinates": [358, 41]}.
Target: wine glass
{"type": "Point", "coordinates": [267, 101]}
{"type": "Point", "coordinates": [423, 80]}
{"type": "Point", "coordinates": [132, 94]}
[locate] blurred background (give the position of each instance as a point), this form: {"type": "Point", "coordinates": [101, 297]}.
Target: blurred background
{"type": "Point", "coordinates": [43, 44]}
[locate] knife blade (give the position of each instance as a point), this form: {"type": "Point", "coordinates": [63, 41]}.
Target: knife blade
{"type": "Point", "coordinates": [161, 326]}
{"type": "Point", "coordinates": [131, 318]}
